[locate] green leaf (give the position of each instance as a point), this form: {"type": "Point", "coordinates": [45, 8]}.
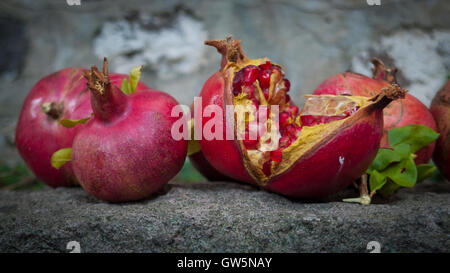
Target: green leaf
{"type": "Point", "coordinates": [130, 86]}
{"type": "Point", "coordinates": [135, 75]}
{"type": "Point", "coordinates": [125, 86]}
{"type": "Point", "coordinates": [69, 123]}
{"type": "Point", "coordinates": [61, 157]}
{"type": "Point", "coordinates": [403, 173]}
{"type": "Point", "coordinates": [376, 180]}
{"type": "Point", "coordinates": [385, 157]}
{"type": "Point", "coordinates": [425, 171]}
{"type": "Point", "coordinates": [415, 135]}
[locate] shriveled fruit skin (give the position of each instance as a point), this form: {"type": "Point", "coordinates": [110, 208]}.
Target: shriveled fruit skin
{"type": "Point", "coordinates": [440, 108]}
{"type": "Point", "coordinates": [39, 135]}
{"type": "Point", "coordinates": [398, 113]}
{"type": "Point", "coordinates": [127, 152]}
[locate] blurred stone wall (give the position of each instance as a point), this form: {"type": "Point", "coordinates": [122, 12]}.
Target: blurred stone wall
{"type": "Point", "coordinates": [312, 39]}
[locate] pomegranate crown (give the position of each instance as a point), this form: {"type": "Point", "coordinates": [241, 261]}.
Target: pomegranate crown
{"type": "Point", "coordinates": [97, 80]}
{"type": "Point", "coordinates": [230, 49]}
{"type": "Point", "coordinates": [380, 72]}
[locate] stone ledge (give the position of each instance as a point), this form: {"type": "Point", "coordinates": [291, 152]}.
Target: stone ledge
{"type": "Point", "coordinates": [223, 217]}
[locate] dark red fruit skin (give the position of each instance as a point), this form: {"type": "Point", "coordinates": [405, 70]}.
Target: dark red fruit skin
{"type": "Point", "coordinates": [202, 165]}
{"type": "Point", "coordinates": [355, 146]}
{"type": "Point", "coordinates": [440, 108]}
{"type": "Point", "coordinates": [310, 179]}
{"type": "Point", "coordinates": [398, 113]}
{"type": "Point", "coordinates": [223, 155]}
{"type": "Point", "coordinates": [128, 153]}
{"type": "Point", "coordinates": [38, 136]}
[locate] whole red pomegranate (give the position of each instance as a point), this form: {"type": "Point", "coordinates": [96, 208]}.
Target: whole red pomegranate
{"type": "Point", "coordinates": [126, 151]}
{"type": "Point", "coordinates": [60, 95]}
{"type": "Point", "coordinates": [440, 108]}
{"type": "Point", "coordinates": [319, 150]}
{"type": "Point", "coordinates": [398, 113]}
{"type": "Point", "coordinates": [202, 165]}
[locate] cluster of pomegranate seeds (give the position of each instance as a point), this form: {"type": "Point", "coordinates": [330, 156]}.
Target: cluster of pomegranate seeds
{"type": "Point", "coordinates": [249, 80]}
{"type": "Point", "coordinates": [276, 155]}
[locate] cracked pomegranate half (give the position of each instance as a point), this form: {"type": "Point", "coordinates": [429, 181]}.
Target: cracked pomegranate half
{"type": "Point", "coordinates": [321, 149]}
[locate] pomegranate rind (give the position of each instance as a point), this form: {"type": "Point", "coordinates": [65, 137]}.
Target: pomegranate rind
{"type": "Point", "coordinates": [440, 108]}
{"type": "Point", "coordinates": [351, 142]}
{"type": "Point", "coordinates": [398, 113]}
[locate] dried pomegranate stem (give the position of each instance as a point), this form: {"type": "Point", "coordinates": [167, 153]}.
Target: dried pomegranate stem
{"type": "Point", "coordinates": [230, 49]}
{"type": "Point", "coordinates": [380, 72]}
{"type": "Point", "coordinates": [388, 94]}
{"type": "Point", "coordinates": [97, 80]}
{"type": "Point", "coordinates": [107, 100]}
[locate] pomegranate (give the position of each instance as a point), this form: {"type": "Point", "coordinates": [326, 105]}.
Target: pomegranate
{"type": "Point", "coordinates": [202, 165]}
{"type": "Point", "coordinates": [399, 113]}
{"type": "Point", "coordinates": [58, 96]}
{"type": "Point", "coordinates": [440, 108]}
{"type": "Point", "coordinates": [318, 150]}
{"type": "Point", "coordinates": [126, 151]}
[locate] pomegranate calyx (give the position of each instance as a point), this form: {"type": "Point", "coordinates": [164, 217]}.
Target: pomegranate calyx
{"type": "Point", "coordinates": [380, 72]}
{"type": "Point", "coordinates": [107, 100]}
{"type": "Point", "coordinates": [52, 109]}
{"type": "Point", "coordinates": [96, 80]}
{"type": "Point", "coordinates": [388, 94]}
{"type": "Point", "coordinates": [230, 49]}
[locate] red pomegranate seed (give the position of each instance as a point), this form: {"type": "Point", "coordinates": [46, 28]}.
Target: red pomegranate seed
{"type": "Point", "coordinates": [238, 80]}
{"type": "Point", "coordinates": [290, 130]}
{"type": "Point", "coordinates": [284, 142]}
{"type": "Point", "coordinates": [248, 143]}
{"type": "Point", "coordinates": [264, 79]}
{"type": "Point", "coordinates": [251, 74]}
{"type": "Point", "coordinates": [250, 90]}
{"type": "Point", "coordinates": [266, 94]}
{"type": "Point", "coordinates": [266, 167]}
{"type": "Point", "coordinates": [293, 110]}
{"type": "Point", "coordinates": [284, 119]}
{"type": "Point", "coordinates": [266, 66]}
{"type": "Point", "coordinates": [276, 155]}
{"type": "Point", "coordinates": [287, 84]}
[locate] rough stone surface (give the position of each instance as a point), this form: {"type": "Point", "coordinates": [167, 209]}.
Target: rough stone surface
{"type": "Point", "coordinates": [311, 39]}
{"type": "Point", "coordinates": [223, 217]}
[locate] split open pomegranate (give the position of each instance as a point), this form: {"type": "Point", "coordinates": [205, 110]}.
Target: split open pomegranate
{"type": "Point", "coordinates": [311, 152]}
